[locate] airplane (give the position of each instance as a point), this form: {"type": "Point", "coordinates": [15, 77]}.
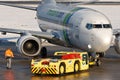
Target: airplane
{"type": "Point", "coordinates": [69, 26]}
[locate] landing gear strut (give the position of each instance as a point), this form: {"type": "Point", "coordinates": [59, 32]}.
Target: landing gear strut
{"type": "Point", "coordinates": [97, 60]}
{"type": "Point", "coordinates": [43, 52]}
{"type": "Point", "coordinates": [95, 57]}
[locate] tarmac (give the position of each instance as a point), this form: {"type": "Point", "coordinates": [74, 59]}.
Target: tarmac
{"type": "Point", "coordinates": [109, 70]}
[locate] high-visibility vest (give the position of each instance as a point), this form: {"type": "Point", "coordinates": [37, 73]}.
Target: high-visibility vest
{"type": "Point", "coordinates": [9, 53]}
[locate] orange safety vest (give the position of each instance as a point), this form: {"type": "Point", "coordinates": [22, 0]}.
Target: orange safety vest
{"type": "Point", "coordinates": [9, 53]}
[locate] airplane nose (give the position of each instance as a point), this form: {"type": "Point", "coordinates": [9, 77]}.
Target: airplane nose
{"type": "Point", "coordinates": [106, 40]}
{"type": "Point", "coordinates": [102, 41]}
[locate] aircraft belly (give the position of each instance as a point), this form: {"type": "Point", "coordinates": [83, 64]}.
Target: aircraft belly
{"type": "Point", "coordinates": [58, 42]}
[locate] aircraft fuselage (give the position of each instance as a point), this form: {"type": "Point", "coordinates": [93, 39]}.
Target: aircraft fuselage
{"type": "Point", "coordinates": [76, 27]}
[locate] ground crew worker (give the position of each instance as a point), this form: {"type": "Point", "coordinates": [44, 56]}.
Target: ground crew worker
{"type": "Point", "coordinates": [8, 56]}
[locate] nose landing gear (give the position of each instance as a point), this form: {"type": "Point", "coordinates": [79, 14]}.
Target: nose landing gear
{"type": "Point", "coordinates": [94, 58]}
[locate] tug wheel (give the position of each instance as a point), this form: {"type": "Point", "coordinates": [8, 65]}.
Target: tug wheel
{"type": "Point", "coordinates": [62, 69]}
{"type": "Point", "coordinates": [76, 67]}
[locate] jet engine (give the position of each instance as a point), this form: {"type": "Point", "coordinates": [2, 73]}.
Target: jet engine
{"type": "Point", "coordinates": [29, 45]}
{"type": "Point", "coordinates": [117, 44]}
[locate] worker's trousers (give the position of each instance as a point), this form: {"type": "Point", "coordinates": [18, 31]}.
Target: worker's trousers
{"type": "Point", "coordinates": [9, 62]}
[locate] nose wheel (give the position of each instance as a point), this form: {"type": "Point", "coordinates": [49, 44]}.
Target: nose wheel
{"type": "Point", "coordinates": [95, 59]}
{"type": "Point", "coordinates": [98, 62]}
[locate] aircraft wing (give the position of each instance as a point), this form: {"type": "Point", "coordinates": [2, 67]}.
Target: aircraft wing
{"type": "Point", "coordinates": [19, 6]}
{"type": "Point", "coordinates": [73, 3]}
{"type": "Point", "coordinates": [91, 2]}
{"type": "Point", "coordinates": [44, 35]}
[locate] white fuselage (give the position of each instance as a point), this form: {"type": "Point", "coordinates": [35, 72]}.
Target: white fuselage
{"type": "Point", "coordinates": [76, 27]}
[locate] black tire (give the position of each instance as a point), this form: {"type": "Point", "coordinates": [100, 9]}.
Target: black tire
{"type": "Point", "coordinates": [77, 66]}
{"type": "Point", "coordinates": [43, 52]}
{"type": "Point", "coordinates": [62, 69]}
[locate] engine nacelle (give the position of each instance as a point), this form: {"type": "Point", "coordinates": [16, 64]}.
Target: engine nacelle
{"type": "Point", "coordinates": [117, 44]}
{"type": "Point", "coordinates": [29, 45]}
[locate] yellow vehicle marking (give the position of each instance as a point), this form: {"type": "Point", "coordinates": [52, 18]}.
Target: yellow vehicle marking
{"type": "Point", "coordinates": [34, 70]}
{"type": "Point", "coordinates": [38, 70]}
{"type": "Point", "coordinates": [54, 70]}
{"type": "Point", "coordinates": [44, 70]}
{"type": "Point", "coordinates": [51, 70]}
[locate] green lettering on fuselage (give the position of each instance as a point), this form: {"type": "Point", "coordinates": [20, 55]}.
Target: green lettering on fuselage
{"type": "Point", "coordinates": [55, 13]}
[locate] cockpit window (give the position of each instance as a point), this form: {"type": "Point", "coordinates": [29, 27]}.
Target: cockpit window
{"type": "Point", "coordinates": [97, 26]}
{"type": "Point", "coordinates": [90, 26]}
{"type": "Point", "coordinates": [107, 26]}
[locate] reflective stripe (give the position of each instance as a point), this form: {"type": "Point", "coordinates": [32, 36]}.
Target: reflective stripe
{"type": "Point", "coordinates": [44, 70]}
